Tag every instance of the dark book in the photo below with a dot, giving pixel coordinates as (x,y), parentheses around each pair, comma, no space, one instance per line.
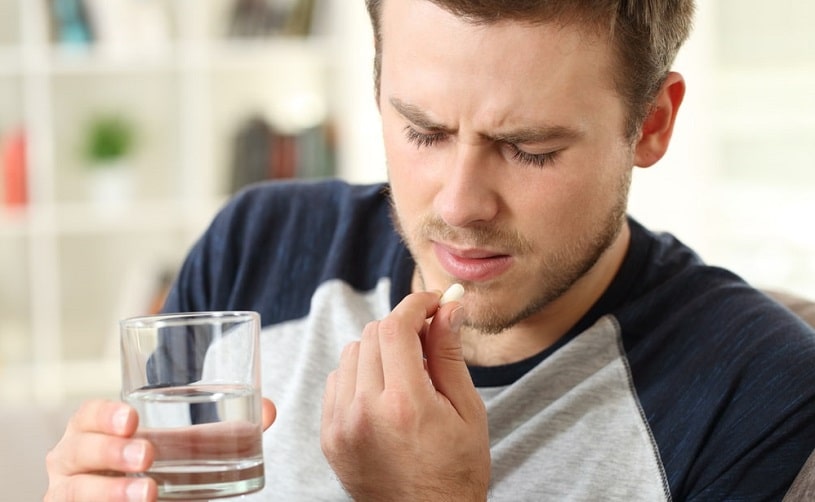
(317,152)
(300,19)
(263,18)
(251,153)
(260,153)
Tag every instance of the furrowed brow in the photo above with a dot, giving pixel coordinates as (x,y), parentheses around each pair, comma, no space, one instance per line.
(417,116)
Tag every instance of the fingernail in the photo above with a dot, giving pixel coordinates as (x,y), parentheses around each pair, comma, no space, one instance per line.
(457,318)
(134,453)
(120,419)
(137,490)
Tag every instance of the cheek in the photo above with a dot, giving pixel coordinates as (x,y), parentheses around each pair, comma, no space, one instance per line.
(567,201)
(402,168)
(401,157)
(410,173)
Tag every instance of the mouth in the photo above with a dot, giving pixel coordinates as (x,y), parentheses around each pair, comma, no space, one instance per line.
(471,265)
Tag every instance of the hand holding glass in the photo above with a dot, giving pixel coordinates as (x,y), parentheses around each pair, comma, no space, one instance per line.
(194,379)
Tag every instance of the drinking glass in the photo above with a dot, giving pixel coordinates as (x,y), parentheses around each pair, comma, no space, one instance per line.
(194,379)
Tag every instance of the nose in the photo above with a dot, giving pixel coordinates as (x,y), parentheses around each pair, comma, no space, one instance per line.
(468,194)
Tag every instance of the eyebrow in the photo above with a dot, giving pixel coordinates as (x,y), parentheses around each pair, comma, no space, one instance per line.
(537,134)
(523,135)
(417,116)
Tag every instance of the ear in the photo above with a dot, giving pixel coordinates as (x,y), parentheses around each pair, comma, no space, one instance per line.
(659,124)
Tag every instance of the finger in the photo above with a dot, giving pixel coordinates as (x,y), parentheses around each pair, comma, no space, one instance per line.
(339,393)
(445,360)
(370,379)
(268,412)
(346,376)
(415,308)
(112,489)
(329,397)
(400,341)
(94,452)
(107,417)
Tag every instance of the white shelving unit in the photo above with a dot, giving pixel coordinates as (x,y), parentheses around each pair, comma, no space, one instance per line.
(71,267)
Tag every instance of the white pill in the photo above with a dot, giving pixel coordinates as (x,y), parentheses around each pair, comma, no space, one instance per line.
(453,293)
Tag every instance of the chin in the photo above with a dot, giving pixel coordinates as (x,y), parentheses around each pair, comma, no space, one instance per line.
(492,310)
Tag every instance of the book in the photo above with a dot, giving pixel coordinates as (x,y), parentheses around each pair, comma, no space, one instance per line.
(251,155)
(299,19)
(69,22)
(13,158)
(261,152)
(264,18)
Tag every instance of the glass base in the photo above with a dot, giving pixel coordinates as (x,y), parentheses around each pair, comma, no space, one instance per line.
(207,484)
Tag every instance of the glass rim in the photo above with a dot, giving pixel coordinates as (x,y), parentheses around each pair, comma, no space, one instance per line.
(183,318)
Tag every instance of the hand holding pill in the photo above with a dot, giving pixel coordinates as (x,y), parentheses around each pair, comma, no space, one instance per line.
(405,387)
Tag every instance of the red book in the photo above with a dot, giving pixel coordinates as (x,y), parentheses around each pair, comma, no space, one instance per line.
(13,152)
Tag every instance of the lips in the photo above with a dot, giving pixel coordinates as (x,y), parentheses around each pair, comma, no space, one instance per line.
(473,265)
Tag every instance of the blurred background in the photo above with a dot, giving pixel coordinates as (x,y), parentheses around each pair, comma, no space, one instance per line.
(125,124)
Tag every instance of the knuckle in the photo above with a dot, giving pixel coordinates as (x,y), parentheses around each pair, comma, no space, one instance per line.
(400,411)
(52,460)
(356,424)
(370,332)
(90,414)
(330,382)
(350,348)
(389,327)
(347,434)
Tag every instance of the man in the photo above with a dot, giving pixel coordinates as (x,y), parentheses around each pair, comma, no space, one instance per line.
(588,359)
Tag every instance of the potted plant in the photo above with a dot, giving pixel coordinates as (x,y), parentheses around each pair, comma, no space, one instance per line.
(107,148)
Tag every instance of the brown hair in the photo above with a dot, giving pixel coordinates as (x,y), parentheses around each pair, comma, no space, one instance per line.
(646,36)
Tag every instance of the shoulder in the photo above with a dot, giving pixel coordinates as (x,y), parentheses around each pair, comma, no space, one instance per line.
(701,313)
(307,213)
(297,199)
(672,288)
(725,374)
(274,243)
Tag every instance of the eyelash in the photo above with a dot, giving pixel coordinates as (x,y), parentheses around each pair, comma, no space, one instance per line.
(531,159)
(422,140)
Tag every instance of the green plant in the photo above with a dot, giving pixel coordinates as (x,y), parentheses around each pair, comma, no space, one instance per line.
(110,137)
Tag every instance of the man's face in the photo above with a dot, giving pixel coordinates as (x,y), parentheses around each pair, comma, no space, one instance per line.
(506,155)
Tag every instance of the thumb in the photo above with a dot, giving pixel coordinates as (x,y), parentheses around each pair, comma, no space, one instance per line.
(445,358)
(269,413)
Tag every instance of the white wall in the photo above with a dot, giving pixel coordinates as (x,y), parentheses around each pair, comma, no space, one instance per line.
(738,183)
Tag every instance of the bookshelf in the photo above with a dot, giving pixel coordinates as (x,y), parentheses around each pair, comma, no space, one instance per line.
(72,264)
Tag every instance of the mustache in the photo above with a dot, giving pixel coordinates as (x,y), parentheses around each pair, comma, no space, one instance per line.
(432,227)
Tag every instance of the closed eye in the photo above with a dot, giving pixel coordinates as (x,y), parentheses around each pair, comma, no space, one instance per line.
(423,139)
(533,159)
